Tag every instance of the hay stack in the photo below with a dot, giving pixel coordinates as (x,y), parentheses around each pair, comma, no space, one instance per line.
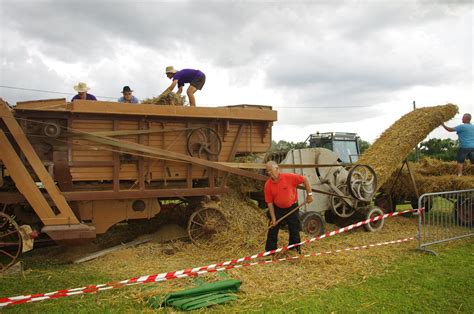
(434,167)
(431,176)
(394,145)
(168,99)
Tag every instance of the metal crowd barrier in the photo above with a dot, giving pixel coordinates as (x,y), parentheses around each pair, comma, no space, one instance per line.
(446,216)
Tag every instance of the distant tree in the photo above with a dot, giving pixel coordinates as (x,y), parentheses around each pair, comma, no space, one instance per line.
(443,149)
(284,145)
(363,145)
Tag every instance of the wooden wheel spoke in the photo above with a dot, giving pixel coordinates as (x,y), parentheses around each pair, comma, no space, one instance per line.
(210,222)
(8,254)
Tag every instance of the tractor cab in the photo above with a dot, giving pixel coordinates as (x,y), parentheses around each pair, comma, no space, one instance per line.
(345,145)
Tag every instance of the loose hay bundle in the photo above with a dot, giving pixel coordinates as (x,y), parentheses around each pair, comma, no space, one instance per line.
(394,145)
(431,175)
(168,99)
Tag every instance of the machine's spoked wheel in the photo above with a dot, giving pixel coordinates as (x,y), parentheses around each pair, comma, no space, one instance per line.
(362,182)
(464,212)
(339,207)
(204,223)
(204,143)
(312,224)
(376,225)
(10,241)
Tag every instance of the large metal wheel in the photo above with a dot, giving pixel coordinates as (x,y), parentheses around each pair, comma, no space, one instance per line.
(376,225)
(362,182)
(10,241)
(312,224)
(339,207)
(204,143)
(205,223)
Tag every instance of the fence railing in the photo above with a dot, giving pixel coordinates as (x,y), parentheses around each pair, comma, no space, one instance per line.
(446,216)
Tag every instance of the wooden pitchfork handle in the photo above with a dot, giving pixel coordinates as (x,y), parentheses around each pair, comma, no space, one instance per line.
(288,214)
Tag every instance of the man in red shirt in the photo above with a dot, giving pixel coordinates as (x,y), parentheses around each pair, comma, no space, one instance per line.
(281,198)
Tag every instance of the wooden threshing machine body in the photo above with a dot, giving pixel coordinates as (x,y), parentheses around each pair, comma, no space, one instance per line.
(73,170)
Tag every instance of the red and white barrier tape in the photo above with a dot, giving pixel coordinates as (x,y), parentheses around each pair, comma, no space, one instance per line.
(190,272)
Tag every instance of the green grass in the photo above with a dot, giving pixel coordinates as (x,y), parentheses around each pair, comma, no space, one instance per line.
(417,282)
(426,283)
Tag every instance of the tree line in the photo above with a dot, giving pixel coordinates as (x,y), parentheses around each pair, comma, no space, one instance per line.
(442,149)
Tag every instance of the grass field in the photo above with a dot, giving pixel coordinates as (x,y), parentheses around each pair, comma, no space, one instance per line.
(413,282)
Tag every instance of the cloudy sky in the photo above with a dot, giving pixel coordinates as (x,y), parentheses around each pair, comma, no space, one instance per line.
(333,65)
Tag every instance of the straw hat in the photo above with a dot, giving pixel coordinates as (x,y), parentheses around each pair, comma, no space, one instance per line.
(170,69)
(81,87)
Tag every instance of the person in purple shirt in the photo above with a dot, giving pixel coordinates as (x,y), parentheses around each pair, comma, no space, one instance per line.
(195,78)
(81,89)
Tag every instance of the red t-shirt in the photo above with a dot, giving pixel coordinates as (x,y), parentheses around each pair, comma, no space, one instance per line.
(282,193)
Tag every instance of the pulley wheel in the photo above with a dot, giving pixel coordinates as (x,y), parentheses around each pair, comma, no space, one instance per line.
(362,182)
(339,207)
(10,241)
(204,223)
(204,143)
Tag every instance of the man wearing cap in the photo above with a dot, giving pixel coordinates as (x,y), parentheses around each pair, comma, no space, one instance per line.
(127,96)
(81,89)
(195,78)
(281,198)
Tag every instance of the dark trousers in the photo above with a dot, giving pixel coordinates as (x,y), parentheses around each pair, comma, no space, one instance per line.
(293,223)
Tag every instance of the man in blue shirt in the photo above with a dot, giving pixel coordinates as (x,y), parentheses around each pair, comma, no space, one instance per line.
(127,96)
(465,133)
(81,89)
(195,78)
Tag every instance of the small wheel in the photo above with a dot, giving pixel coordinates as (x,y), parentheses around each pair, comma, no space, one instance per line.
(204,223)
(10,241)
(362,182)
(312,224)
(204,143)
(339,207)
(464,212)
(376,225)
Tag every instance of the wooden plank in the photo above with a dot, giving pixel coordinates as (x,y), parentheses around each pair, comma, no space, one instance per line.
(158,152)
(257,113)
(249,165)
(95,255)
(23,180)
(36,164)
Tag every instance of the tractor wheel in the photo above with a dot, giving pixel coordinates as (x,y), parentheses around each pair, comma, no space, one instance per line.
(376,225)
(10,241)
(204,224)
(312,224)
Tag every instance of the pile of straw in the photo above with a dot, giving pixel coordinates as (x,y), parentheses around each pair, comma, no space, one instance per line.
(394,145)
(246,236)
(430,176)
(168,99)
